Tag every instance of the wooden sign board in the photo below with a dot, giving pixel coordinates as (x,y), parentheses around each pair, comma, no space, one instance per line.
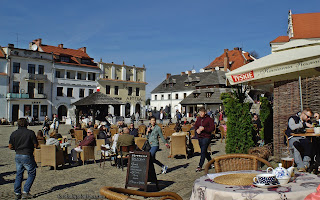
(137,171)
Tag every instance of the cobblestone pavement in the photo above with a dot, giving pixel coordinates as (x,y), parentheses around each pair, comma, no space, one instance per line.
(84,182)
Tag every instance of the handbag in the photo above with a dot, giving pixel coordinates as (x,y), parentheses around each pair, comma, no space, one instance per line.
(146,146)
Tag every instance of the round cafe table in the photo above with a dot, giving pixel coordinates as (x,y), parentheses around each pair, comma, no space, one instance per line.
(205,188)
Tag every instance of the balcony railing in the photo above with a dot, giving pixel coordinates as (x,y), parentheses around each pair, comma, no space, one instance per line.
(17,96)
(36,77)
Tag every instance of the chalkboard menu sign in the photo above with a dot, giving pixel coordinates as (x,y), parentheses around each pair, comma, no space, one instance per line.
(138,168)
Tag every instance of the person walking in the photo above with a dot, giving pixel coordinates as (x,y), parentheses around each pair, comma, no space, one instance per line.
(137,116)
(23,141)
(46,126)
(204,126)
(55,122)
(161,116)
(153,132)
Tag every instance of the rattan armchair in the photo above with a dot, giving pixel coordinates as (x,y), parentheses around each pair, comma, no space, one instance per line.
(139,141)
(178,145)
(236,162)
(78,135)
(50,156)
(223,134)
(114,193)
(87,153)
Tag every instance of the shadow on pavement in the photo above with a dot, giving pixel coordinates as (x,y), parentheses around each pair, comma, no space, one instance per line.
(61,187)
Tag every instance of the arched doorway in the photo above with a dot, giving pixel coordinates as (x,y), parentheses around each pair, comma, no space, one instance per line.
(138,109)
(127,110)
(62,111)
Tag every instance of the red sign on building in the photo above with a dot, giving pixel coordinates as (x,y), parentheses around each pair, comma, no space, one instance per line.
(242,77)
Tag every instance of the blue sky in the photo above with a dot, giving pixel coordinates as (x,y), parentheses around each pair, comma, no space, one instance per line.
(167,36)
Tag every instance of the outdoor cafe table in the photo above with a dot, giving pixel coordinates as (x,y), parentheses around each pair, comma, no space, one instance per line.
(302,185)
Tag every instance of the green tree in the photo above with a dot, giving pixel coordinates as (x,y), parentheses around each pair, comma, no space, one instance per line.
(240,127)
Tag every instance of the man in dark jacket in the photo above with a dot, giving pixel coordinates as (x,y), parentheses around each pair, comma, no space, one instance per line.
(204,126)
(297,124)
(133,131)
(23,141)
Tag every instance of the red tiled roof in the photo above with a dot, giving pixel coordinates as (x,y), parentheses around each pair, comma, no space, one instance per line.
(64,51)
(75,54)
(280,39)
(2,55)
(236,58)
(306,25)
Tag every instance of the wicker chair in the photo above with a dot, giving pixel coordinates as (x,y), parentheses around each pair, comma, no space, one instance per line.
(37,155)
(50,156)
(236,162)
(139,141)
(178,146)
(142,129)
(223,134)
(196,146)
(78,135)
(96,132)
(124,153)
(113,193)
(167,132)
(185,128)
(99,142)
(87,153)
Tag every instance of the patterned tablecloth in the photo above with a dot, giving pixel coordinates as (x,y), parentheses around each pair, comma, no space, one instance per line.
(302,184)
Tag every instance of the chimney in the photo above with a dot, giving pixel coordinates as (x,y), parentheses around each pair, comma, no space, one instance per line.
(60,46)
(226,50)
(84,49)
(168,75)
(189,73)
(226,62)
(183,73)
(213,69)
(236,48)
(37,41)
(10,45)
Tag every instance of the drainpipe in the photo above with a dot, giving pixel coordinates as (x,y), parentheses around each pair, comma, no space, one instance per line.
(300,90)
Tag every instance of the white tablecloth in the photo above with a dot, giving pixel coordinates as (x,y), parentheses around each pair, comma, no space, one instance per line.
(206,189)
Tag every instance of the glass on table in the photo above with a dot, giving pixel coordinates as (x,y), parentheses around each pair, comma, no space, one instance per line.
(286,157)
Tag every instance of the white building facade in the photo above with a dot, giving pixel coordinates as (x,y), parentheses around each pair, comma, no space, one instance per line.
(74,77)
(28,84)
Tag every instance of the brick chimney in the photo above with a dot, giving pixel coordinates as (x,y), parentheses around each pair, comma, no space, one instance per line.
(189,73)
(236,48)
(37,41)
(60,46)
(168,75)
(226,62)
(84,49)
(226,50)
(183,73)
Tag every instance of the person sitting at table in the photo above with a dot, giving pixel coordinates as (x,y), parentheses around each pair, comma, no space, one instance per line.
(40,138)
(317,118)
(257,124)
(53,141)
(103,134)
(185,121)
(296,124)
(133,131)
(89,140)
(90,125)
(115,140)
(125,139)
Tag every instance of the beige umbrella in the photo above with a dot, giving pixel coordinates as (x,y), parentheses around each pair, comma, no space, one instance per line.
(293,60)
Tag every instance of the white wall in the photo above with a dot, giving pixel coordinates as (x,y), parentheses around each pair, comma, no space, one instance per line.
(175,103)
(3,92)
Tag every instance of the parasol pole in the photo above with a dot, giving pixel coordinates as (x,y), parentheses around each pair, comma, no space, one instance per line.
(300,90)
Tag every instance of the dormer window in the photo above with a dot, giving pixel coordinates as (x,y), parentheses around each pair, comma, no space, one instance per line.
(85,61)
(208,94)
(196,95)
(186,84)
(64,59)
